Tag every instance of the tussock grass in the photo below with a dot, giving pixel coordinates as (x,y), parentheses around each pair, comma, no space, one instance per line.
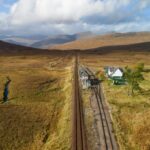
(38,114)
(131,117)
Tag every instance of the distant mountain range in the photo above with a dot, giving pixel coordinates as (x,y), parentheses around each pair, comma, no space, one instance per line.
(111,39)
(41,41)
(84,40)
(96,44)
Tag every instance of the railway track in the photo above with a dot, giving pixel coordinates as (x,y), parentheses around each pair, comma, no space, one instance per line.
(79,134)
(104,125)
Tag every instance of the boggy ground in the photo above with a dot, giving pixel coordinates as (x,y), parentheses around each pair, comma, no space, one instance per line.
(131,115)
(38,113)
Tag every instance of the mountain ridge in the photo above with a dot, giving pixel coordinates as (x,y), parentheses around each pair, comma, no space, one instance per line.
(105,40)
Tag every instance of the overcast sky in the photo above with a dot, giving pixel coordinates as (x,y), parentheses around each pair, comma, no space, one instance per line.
(71,16)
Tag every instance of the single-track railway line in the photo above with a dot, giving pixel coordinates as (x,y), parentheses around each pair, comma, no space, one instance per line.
(79,134)
(107,139)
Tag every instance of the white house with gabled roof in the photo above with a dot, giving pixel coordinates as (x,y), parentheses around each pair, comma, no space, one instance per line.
(114,72)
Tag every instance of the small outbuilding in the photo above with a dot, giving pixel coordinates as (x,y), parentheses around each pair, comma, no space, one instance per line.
(84,78)
(87,81)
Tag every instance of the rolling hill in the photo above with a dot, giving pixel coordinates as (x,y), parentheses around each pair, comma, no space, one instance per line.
(43,41)
(60,39)
(13,49)
(8,48)
(21,40)
(105,40)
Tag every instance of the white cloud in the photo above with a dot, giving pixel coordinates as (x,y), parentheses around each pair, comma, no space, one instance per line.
(68,16)
(3,19)
(61,11)
(121,27)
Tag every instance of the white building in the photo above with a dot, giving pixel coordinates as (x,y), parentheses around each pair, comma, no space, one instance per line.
(84,78)
(114,72)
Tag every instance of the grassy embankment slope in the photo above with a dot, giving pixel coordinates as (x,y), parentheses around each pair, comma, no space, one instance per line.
(131,115)
(38,114)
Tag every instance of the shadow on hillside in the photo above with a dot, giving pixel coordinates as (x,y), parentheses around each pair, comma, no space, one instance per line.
(11,49)
(143,47)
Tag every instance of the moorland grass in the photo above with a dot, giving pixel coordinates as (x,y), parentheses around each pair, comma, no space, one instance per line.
(38,113)
(131,115)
